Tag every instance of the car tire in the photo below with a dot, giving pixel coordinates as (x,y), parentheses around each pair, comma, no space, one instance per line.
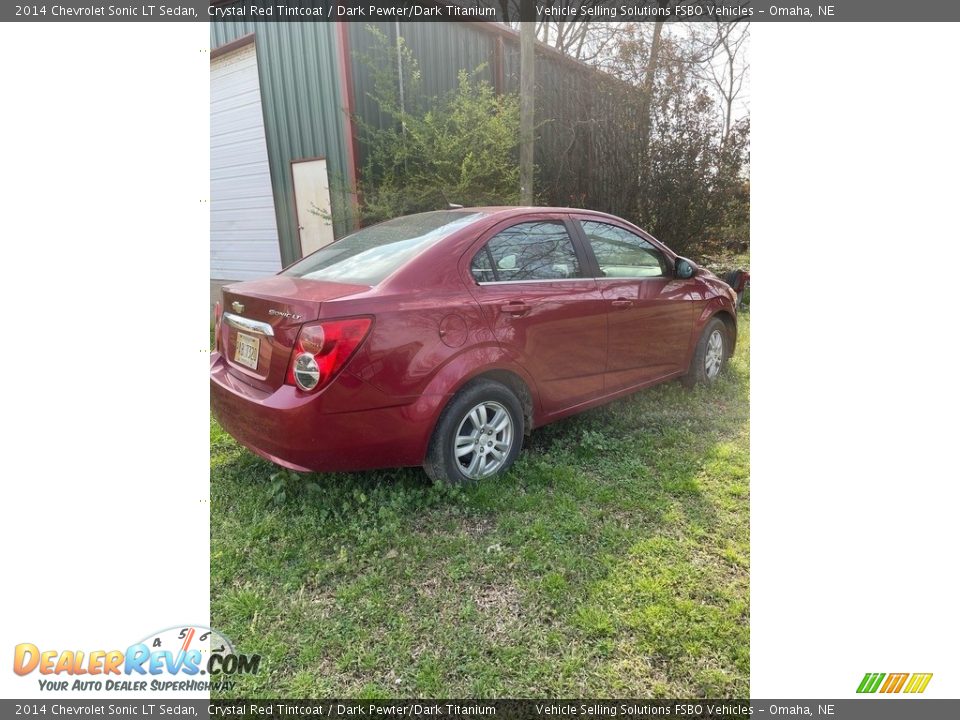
(478,435)
(706,366)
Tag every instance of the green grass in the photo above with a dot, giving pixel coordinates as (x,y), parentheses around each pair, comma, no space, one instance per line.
(611,561)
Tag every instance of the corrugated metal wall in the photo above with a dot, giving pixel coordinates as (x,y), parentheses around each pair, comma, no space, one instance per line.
(587,140)
(586,126)
(440,49)
(303,113)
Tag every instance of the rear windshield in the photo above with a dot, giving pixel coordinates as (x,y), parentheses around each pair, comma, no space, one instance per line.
(371,254)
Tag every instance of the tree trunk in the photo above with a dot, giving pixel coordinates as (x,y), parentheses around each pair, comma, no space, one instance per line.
(646,122)
(527,91)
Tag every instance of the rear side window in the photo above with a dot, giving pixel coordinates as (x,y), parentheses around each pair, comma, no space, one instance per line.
(368,256)
(622,254)
(540,250)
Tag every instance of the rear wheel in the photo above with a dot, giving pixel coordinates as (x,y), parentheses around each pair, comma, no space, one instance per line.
(710,355)
(478,435)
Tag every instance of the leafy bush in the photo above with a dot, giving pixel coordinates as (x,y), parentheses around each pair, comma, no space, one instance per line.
(460,148)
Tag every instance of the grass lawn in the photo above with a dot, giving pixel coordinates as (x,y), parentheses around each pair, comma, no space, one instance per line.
(612,561)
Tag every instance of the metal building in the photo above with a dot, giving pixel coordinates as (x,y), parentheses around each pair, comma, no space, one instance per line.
(284,149)
(279,127)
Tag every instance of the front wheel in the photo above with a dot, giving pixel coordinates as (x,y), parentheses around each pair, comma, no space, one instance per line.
(478,435)
(710,355)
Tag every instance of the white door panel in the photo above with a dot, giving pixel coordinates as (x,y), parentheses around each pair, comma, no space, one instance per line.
(311,186)
(243,225)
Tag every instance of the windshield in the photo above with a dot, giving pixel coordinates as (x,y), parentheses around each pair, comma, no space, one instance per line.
(368,256)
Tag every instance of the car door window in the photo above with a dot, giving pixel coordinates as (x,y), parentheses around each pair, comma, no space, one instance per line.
(623,254)
(540,250)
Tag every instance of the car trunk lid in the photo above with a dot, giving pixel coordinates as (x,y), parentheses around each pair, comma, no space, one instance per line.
(261,320)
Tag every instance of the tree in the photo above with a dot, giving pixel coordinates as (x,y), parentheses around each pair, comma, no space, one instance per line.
(527,93)
(692,152)
(582,38)
(725,67)
(460,148)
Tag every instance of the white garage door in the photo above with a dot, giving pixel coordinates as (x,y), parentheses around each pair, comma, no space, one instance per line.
(243,226)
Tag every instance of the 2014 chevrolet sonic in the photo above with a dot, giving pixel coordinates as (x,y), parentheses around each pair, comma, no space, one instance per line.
(441,339)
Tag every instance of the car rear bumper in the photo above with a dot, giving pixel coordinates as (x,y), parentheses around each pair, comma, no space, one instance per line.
(349,425)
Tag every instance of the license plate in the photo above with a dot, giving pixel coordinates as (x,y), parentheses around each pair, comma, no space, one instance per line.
(248,351)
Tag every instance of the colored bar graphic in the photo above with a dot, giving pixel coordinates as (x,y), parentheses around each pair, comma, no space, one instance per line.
(915,683)
(918,682)
(902,681)
(870,682)
(894,682)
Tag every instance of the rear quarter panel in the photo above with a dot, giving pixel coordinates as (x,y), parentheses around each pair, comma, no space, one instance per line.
(422,343)
(422,348)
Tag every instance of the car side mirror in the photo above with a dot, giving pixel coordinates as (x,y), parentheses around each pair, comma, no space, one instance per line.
(685,269)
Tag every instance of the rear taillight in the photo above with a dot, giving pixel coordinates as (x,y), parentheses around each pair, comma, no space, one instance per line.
(322,349)
(217,317)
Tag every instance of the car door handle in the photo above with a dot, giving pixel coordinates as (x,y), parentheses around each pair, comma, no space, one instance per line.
(622,303)
(515,308)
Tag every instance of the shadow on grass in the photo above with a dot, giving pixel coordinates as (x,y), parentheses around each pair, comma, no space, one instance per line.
(597,458)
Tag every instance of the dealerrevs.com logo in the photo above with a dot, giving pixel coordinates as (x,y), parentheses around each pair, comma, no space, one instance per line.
(184,658)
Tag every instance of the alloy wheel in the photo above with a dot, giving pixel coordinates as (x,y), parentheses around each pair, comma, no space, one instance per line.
(713,360)
(483,440)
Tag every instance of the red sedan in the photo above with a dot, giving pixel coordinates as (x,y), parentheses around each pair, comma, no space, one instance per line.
(441,339)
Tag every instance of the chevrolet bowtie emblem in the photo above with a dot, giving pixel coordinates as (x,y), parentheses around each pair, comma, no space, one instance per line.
(237,307)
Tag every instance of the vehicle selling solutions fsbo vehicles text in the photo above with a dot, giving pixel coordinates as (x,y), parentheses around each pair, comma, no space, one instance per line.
(612,12)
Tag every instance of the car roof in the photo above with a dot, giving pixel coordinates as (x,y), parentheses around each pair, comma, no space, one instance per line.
(523,209)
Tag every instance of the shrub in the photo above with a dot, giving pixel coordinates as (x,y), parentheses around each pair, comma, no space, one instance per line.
(460,148)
